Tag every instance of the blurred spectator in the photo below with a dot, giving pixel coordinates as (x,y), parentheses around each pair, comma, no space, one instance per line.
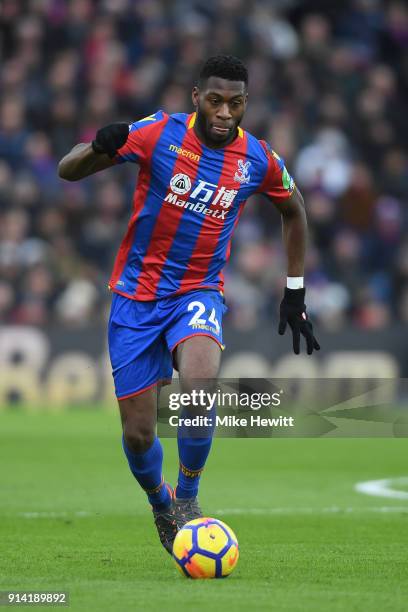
(328,90)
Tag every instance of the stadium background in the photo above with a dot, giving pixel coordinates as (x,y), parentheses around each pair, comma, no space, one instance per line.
(328,90)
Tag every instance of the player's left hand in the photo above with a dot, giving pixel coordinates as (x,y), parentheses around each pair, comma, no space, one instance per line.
(293,312)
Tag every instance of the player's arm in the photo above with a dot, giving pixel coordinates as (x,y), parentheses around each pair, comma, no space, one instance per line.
(293,308)
(88,158)
(294,232)
(280,187)
(82,161)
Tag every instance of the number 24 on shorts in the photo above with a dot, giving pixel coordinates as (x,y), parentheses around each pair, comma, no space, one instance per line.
(198,320)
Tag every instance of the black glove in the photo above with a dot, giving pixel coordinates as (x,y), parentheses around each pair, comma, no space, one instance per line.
(110,138)
(293,311)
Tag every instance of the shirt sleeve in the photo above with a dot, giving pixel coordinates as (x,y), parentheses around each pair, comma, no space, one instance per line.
(136,148)
(278,183)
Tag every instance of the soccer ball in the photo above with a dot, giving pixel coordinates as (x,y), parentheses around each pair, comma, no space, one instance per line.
(205,548)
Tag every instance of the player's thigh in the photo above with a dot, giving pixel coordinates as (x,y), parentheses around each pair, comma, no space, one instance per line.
(198,357)
(195,334)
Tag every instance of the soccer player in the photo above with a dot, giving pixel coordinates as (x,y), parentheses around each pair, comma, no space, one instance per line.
(196,172)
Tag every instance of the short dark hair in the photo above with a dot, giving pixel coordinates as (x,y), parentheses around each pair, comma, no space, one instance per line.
(225,67)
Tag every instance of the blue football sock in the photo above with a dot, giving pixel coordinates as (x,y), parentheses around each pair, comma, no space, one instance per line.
(193,453)
(147,469)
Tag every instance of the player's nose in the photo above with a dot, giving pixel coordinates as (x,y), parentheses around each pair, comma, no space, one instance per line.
(223,112)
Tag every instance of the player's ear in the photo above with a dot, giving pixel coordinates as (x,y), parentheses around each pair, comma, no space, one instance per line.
(246,98)
(195,94)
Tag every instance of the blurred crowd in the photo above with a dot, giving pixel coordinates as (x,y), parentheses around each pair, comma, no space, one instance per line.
(328,89)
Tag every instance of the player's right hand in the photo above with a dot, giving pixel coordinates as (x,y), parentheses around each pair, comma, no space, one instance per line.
(110,138)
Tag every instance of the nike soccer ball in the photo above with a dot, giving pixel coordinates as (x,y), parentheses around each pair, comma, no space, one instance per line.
(206,548)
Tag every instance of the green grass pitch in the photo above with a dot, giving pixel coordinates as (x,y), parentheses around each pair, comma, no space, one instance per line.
(72,518)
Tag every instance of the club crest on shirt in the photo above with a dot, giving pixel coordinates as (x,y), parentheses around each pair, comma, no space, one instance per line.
(180,183)
(241,175)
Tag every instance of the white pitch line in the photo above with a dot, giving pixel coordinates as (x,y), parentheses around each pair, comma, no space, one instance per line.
(35,515)
(294,511)
(383,488)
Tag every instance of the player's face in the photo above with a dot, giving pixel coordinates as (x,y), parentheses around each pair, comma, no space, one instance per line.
(220,106)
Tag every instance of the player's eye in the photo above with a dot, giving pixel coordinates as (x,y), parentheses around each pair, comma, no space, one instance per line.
(236,103)
(214,101)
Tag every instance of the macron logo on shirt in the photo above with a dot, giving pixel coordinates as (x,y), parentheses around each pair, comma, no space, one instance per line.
(184,152)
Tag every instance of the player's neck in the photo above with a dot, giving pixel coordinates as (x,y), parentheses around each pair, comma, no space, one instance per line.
(210,143)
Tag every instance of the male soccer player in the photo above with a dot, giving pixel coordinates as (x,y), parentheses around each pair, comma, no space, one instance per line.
(196,172)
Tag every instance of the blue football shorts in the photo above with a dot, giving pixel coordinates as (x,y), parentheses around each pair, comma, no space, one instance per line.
(143,335)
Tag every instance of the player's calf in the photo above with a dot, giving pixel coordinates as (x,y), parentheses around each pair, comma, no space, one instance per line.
(144,453)
(198,360)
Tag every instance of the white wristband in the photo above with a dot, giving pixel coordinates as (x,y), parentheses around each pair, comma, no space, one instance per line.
(294,282)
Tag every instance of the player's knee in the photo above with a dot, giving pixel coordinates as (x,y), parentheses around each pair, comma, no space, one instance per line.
(138,439)
(138,415)
(206,382)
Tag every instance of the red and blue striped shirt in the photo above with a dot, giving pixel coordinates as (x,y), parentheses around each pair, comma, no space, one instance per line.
(187,202)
